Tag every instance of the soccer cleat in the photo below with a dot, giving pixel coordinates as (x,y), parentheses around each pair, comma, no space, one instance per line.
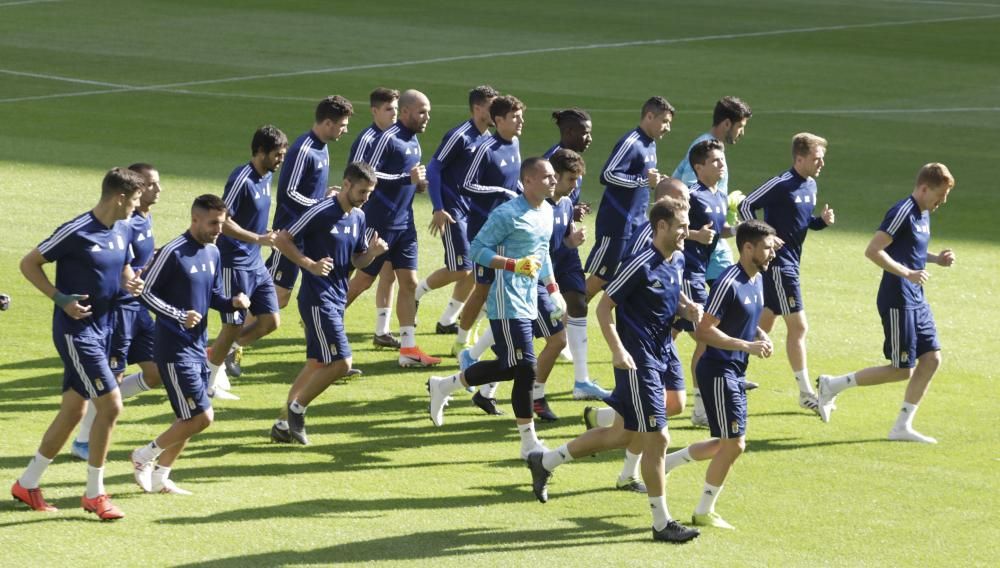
(414,357)
(465,359)
(297,427)
(385,341)
(233,360)
(487,405)
(439,399)
(711,519)
(80,450)
(750,385)
(909,435)
(566,354)
(590,417)
(633,484)
(222,380)
(539,477)
(826,398)
(219,393)
(280,435)
(699,419)
(809,401)
(102,507)
(450,329)
(542,410)
(31,497)
(675,532)
(539,446)
(354,372)
(168,486)
(589,390)
(143,472)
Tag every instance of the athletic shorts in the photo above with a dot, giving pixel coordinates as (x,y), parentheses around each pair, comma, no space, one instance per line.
(673,377)
(186,383)
(639,398)
(725,396)
(485,275)
(133,337)
(908,335)
(283,272)
(456,244)
(569,272)
(545,325)
(782,292)
(326,338)
(697,290)
(513,341)
(85,363)
(605,257)
(256,283)
(402,253)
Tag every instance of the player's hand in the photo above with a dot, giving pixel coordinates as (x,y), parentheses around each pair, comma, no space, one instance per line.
(693,313)
(621,359)
(332,190)
(321,267)
(135,285)
(580,210)
(577,235)
(760,349)
(241,302)
(377,245)
(559,304)
(918,276)
(778,243)
(653,177)
(422,186)
(704,235)
(267,239)
(74,308)
(439,222)
(946,257)
(827,215)
(527,266)
(191,319)
(418,175)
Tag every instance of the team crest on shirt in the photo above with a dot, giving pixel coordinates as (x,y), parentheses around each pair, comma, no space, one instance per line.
(734,426)
(333,349)
(99,384)
(191,403)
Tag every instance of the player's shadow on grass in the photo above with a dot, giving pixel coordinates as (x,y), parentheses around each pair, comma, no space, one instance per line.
(784,444)
(34,364)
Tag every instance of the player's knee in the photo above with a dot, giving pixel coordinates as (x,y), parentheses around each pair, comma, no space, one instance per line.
(930,360)
(557,341)
(203,420)
(797,325)
(576,304)
(152,378)
(675,403)
(269,322)
(733,447)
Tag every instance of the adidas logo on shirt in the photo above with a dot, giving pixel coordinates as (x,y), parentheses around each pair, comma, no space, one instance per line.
(656,284)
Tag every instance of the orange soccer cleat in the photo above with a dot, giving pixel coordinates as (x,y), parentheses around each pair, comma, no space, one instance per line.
(102,507)
(414,357)
(31,497)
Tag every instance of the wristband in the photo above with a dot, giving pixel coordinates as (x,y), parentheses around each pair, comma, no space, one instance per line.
(510,265)
(552,287)
(61,299)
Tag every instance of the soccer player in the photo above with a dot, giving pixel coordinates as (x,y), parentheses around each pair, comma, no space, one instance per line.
(396,159)
(184,281)
(788,201)
(385,110)
(899,248)
(333,234)
(645,294)
(303,182)
(91,256)
(132,331)
(521,228)
(729,327)
(445,175)
(247,195)
(627,176)
(729,121)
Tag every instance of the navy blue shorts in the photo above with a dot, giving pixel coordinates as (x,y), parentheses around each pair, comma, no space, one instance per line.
(605,257)
(697,291)
(186,383)
(256,284)
(513,341)
(326,338)
(456,244)
(782,292)
(908,335)
(485,275)
(639,399)
(402,253)
(545,325)
(283,272)
(569,272)
(725,397)
(673,377)
(133,337)
(85,363)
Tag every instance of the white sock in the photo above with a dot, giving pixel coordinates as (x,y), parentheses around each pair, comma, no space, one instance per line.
(699,405)
(630,468)
(83,435)
(451,312)
(381,321)
(708,496)
(452,384)
(422,289)
(407,336)
(281,424)
(33,473)
(489,390)
(676,459)
(160,473)
(802,377)
(463,335)
(95,481)
(605,417)
(576,336)
(842,383)
(149,452)
(905,419)
(132,385)
(555,458)
(661,516)
(538,391)
(484,342)
(213,375)
(296,407)
(528,437)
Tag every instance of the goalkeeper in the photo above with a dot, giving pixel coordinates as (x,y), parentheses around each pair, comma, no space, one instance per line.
(515,242)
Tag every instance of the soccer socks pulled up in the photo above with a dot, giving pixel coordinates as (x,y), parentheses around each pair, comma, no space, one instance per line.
(407,336)
(661,515)
(489,390)
(708,497)
(33,473)
(538,391)
(451,312)
(463,335)
(95,481)
(576,336)
(484,342)
(83,435)
(528,437)
(149,452)
(905,419)
(382,321)
(802,378)
(843,382)
(132,385)
(555,458)
(676,459)
(605,417)
(454,383)
(630,469)
(422,288)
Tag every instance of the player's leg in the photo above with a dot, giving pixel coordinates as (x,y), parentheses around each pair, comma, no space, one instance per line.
(383,299)
(552,330)
(473,308)
(262,319)
(725,402)
(404,259)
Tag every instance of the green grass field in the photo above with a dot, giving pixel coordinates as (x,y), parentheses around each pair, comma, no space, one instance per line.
(87,85)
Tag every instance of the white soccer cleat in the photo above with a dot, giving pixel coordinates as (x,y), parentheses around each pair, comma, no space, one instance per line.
(699,419)
(827,399)
(909,435)
(219,393)
(538,447)
(168,486)
(143,472)
(439,399)
(809,401)
(222,379)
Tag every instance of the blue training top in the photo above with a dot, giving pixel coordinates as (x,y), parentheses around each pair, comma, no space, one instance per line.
(788,201)
(248,197)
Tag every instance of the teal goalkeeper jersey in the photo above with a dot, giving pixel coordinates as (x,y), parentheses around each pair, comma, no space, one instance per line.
(515,230)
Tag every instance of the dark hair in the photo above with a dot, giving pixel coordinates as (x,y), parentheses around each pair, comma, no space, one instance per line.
(267,139)
(666,209)
(529,165)
(359,171)
(481,94)
(122,180)
(333,108)
(752,231)
(731,108)
(382,95)
(565,160)
(570,118)
(142,167)
(657,106)
(699,152)
(504,105)
(209,202)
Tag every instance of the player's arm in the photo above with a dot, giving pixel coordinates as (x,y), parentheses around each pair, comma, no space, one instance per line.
(367,249)
(233,229)
(944,258)
(285,243)
(876,253)
(605,316)
(575,235)
(617,170)
(31,268)
(384,146)
(708,332)
(825,219)
(757,199)
(302,162)
(165,263)
(689,309)
(728,231)
(474,174)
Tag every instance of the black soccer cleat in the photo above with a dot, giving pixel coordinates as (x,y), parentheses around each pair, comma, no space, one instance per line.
(233,360)
(297,427)
(488,405)
(750,385)
(450,329)
(675,532)
(539,476)
(280,436)
(385,341)
(542,410)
